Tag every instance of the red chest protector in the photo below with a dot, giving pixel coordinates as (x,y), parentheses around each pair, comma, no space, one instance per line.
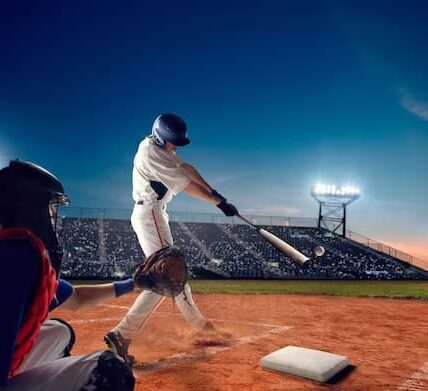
(37,310)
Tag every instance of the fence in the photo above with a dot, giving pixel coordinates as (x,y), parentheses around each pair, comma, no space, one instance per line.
(383,248)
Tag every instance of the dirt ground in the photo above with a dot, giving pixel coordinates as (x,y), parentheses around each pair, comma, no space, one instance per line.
(385,340)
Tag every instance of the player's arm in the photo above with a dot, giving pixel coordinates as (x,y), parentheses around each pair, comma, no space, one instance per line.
(178,176)
(196,190)
(197,178)
(82,296)
(194,175)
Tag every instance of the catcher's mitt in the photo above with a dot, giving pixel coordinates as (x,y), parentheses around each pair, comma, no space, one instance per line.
(164,272)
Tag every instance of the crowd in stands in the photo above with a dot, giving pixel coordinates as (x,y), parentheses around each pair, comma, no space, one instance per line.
(104,248)
(99,248)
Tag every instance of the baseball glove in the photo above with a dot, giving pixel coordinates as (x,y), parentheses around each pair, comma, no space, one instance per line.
(163,272)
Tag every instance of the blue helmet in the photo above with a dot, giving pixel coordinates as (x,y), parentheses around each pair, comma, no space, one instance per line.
(170,128)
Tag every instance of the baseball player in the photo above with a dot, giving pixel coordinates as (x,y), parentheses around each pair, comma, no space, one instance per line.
(159,174)
(34,352)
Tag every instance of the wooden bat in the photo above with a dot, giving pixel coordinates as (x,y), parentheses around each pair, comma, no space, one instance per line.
(280,244)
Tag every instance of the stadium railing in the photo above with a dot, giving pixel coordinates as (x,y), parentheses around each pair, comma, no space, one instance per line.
(385,249)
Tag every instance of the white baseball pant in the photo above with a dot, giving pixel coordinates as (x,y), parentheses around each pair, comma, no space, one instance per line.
(151,224)
(44,369)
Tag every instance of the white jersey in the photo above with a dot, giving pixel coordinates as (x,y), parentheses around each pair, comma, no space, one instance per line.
(151,224)
(154,164)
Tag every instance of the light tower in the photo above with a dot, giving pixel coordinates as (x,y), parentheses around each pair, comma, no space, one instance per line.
(332,202)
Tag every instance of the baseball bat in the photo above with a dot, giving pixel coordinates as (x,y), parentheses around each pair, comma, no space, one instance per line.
(280,244)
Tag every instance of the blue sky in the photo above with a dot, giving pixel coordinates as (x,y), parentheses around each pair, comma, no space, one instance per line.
(277,95)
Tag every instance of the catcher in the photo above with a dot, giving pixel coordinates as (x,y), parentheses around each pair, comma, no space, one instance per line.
(159,174)
(34,350)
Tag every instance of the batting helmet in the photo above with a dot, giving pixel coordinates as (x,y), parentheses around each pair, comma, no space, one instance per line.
(170,128)
(29,195)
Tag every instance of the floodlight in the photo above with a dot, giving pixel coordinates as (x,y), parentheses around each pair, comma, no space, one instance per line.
(333,201)
(335,191)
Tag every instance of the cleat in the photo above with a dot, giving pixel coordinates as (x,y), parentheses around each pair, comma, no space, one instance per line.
(119,345)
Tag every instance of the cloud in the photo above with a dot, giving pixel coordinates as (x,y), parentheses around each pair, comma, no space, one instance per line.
(275,210)
(3,160)
(412,248)
(229,178)
(414,106)
(5,155)
(8,146)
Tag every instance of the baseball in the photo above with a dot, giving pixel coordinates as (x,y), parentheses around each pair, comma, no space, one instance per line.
(319,251)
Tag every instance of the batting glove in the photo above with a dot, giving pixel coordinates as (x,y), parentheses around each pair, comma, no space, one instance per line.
(228,209)
(215,193)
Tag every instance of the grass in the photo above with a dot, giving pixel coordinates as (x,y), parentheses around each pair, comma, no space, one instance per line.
(385,289)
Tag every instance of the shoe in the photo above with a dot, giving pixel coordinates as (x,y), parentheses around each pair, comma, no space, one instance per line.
(119,345)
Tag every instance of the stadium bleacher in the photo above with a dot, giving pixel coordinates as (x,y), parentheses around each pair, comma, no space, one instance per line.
(108,249)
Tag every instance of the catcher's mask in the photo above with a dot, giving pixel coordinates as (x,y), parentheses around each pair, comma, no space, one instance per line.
(30,197)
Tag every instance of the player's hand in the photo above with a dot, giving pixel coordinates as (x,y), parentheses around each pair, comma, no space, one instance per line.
(216,194)
(228,209)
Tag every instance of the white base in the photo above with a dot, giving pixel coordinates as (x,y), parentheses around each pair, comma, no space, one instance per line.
(308,363)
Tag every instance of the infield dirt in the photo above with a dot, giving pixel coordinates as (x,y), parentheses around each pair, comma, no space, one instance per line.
(385,339)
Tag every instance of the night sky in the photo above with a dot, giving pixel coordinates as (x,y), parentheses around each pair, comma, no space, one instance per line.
(277,95)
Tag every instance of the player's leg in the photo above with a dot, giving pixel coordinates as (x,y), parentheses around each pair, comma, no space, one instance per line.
(151,226)
(97,371)
(135,318)
(55,341)
(153,233)
(184,301)
(189,309)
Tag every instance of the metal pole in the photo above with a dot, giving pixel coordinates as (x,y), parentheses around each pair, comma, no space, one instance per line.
(344,221)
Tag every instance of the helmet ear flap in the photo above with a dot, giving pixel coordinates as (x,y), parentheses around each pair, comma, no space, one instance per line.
(158,141)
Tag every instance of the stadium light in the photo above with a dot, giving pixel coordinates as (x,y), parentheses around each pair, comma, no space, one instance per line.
(333,201)
(347,191)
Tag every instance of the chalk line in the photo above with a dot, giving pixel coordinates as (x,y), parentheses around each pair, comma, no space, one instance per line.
(190,357)
(417,381)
